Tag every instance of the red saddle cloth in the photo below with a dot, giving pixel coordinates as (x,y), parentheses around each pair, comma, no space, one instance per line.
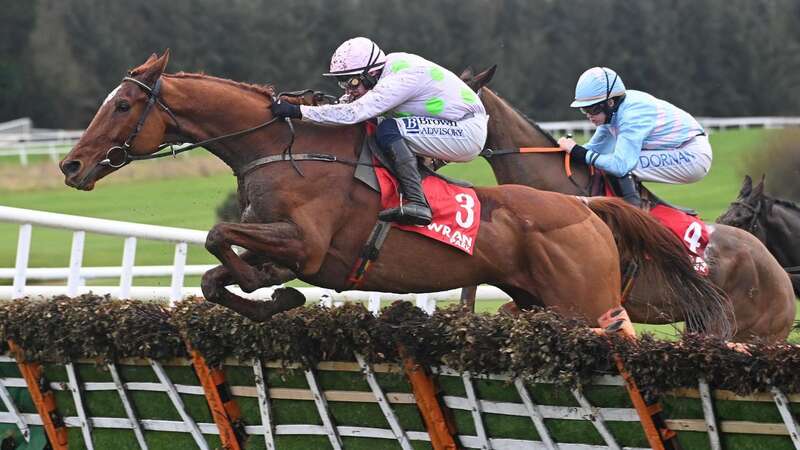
(691,230)
(456,210)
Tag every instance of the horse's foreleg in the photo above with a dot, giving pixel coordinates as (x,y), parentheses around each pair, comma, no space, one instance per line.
(262,265)
(275,243)
(213,286)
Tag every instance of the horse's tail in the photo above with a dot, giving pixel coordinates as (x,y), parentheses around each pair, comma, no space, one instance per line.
(643,239)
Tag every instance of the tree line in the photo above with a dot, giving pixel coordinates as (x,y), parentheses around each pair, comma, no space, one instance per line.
(59,58)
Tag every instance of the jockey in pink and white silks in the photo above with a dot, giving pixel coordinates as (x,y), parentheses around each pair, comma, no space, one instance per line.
(426,110)
(637,134)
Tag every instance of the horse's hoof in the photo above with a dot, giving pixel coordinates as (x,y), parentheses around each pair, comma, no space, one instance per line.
(287,298)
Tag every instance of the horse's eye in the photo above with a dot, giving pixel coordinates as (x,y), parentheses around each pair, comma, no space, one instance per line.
(123,105)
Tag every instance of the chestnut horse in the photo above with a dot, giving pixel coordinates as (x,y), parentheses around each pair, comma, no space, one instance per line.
(308,219)
(759,289)
(774,221)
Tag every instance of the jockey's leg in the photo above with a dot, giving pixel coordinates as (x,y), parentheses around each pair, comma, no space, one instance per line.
(415,210)
(626,188)
(688,163)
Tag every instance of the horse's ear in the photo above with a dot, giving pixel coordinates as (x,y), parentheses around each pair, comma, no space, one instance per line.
(747,187)
(158,66)
(152,68)
(758,191)
(467,74)
(482,79)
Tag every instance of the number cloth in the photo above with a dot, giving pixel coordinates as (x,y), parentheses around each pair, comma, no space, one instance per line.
(456,210)
(692,231)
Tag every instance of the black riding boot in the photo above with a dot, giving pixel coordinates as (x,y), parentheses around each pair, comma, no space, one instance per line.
(415,211)
(626,188)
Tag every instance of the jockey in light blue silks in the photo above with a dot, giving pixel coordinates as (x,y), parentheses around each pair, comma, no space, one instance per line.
(637,135)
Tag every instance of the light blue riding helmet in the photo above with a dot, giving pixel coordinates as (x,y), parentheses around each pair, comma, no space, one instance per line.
(595,85)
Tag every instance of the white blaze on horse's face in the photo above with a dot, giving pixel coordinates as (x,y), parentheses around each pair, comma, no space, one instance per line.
(111,94)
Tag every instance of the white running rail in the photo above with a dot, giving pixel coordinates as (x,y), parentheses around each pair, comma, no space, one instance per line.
(75,274)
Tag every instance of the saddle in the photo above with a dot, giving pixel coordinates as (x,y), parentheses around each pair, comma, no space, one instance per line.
(601,187)
(370,152)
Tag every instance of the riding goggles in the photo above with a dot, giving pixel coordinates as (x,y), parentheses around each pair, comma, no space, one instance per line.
(595,109)
(348,82)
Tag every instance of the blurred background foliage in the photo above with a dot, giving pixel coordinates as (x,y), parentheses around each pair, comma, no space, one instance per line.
(59,58)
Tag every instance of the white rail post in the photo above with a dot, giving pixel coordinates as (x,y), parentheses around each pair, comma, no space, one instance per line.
(426,303)
(264,404)
(324,412)
(326,299)
(23,155)
(75,262)
(786,414)
(51,149)
(708,414)
(178,269)
(77,398)
(21,265)
(177,402)
(11,407)
(374,303)
(535,414)
(383,403)
(475,407)
(127,406)
(126,278)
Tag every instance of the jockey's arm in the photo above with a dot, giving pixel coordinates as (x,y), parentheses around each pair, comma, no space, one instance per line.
(633,130)
(391,91)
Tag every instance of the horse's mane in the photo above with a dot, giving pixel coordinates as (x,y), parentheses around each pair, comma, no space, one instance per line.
(528,119)
(265,90)
(787,203)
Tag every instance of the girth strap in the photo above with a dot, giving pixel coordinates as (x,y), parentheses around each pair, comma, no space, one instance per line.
(369,253)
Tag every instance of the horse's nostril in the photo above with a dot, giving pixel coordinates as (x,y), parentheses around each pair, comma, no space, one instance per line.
(70,167)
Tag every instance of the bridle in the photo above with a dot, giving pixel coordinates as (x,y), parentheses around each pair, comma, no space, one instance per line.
(752,226)
(153,95)
(124,149)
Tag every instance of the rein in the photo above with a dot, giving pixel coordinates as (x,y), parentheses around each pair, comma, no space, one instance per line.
(125,157)
(489,153)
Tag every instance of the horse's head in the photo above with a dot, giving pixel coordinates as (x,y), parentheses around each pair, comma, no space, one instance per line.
(748,207)
(128,123)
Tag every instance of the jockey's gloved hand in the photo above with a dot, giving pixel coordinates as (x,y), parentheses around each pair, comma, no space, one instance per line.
(285,109)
